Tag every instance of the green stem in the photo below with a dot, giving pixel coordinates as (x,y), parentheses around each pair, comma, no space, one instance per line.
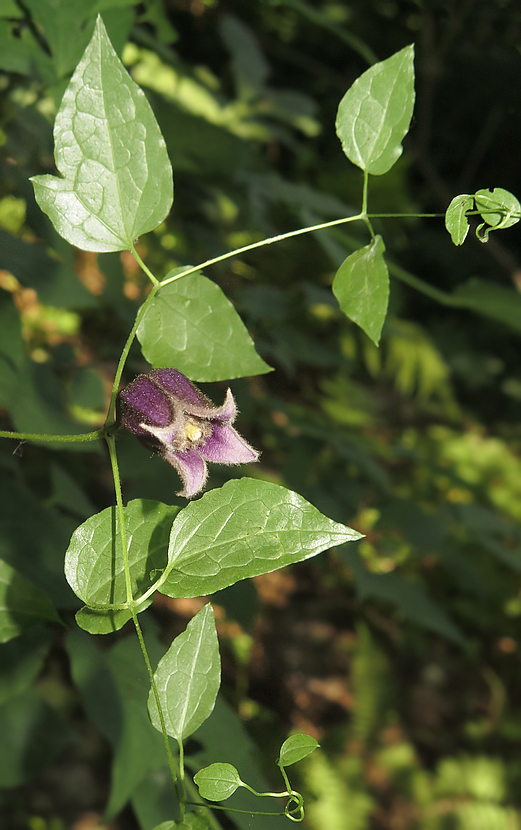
(70,439)
(126,350)
(144,267)
(269,241)
(299,232)
(111,441)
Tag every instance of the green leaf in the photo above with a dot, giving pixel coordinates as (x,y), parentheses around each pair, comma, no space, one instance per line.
(117,178)
(499,302)
(94,562)
(361,286)
(375,113)
(489,201)
(295,748)
(193,326)
(106,622)
(65,25)
(188,677)
(217,782)
(244,529)
(22,605)
(456,220)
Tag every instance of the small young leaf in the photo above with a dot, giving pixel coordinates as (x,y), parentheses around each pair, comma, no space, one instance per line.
(188,678)
(456,220)
(193,326)
(94,562)
(361,286)
(375,113)
(217,782)
(22,604)
(116,176)
(488,201)
(295,748)
(244,529)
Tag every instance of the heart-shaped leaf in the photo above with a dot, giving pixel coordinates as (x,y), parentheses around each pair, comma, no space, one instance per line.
(193,326)
(116,178)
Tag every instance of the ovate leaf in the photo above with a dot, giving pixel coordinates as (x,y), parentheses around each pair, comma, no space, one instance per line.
(295,748)
(217,782)
(193,326)
(94,561)
(456,220)
(241,530)
(361,286)
(22,604)
(116,176)
(188,678)
(375,113)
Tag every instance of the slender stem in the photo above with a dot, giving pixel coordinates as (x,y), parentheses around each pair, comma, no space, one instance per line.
(269,241)
(111,441)
(70,439)
(126,350)
(310,229)
(144,267)
(364,193)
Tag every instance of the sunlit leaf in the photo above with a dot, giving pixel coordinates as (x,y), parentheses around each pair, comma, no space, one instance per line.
(193,326)
(498,209)
(116,176)
(188,677)
(94,564)
(375,113)
(361,286)
(241,530)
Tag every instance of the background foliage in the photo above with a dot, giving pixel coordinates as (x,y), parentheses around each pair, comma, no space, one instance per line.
(401,658)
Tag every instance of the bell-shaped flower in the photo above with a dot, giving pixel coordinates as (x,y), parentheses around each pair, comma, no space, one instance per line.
(173,418)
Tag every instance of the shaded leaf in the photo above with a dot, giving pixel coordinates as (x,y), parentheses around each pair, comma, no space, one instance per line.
(32,735)
(193,326)
(244,529)
(22,604)
(188,678)
(410,599)
(375,113)
(117,178)
(21,660)
(361,286)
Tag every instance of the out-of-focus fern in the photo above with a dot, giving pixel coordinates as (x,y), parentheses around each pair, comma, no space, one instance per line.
(341,801)
(370,684)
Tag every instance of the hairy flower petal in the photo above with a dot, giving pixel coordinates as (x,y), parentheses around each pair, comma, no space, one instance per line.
(175,419)
(225,446)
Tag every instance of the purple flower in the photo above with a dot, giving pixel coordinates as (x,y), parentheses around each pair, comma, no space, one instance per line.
(173,418)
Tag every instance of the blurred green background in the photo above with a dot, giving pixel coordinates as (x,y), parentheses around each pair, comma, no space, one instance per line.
(401,655)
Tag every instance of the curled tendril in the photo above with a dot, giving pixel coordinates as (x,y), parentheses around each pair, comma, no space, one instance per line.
(294,809)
